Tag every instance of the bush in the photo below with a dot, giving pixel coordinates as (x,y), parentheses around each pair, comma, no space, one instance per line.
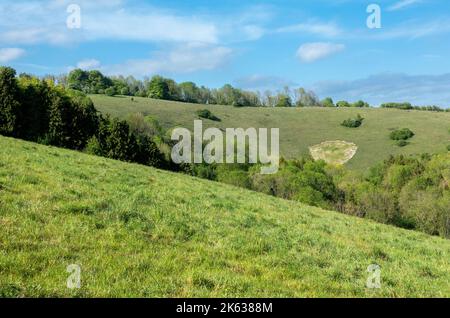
(110,91)
(206,114)
(402,134)
(327,102)
(142,125)
(409,192)
(125,91)
(448,147)
(302,180)
(403,106)
(402,143)
(353,123)
(93,147)
(360,104)
(115,139)
(343,104)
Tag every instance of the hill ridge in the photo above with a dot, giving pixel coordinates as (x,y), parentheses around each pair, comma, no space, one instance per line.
(302,128)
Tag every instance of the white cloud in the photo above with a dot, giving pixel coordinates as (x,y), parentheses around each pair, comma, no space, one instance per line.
(35,22)
(185,58)
(123,25)
(10,54)
(88,64)
(311,52)
(402,4)
(253,32)
(329,29)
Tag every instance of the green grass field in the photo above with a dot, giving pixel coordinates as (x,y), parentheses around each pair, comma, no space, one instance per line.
(137,231)
(301,128)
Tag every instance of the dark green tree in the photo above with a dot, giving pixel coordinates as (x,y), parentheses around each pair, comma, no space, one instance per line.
(158,88)
(328,102)
(33,117)
(283,100)
(343,103)
(9,103)
(72,120)
(110,91)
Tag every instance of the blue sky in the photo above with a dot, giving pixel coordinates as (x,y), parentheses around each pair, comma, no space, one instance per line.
(323,45)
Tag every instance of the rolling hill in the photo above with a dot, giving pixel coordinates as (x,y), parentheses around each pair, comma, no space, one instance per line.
(302,128)
(140,232)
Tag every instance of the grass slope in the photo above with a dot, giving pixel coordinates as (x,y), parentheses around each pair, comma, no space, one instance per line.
(138,231)
(301,128)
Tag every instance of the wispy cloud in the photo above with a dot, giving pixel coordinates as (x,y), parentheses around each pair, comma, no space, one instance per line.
(185,58)
(88,64)
(391,87)
(416,29)
(328,29)
(402,4)
(311,52)
(34,22)
(10,54)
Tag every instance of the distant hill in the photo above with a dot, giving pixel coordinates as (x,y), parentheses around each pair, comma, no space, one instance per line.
(140,232)
(302,128)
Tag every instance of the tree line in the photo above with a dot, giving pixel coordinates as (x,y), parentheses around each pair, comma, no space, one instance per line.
(158,87)
(407,192)
(38,110)
(409,106)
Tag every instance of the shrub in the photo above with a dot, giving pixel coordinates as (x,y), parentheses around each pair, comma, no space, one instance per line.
(203,170)
(115,139)
(302,180)
(283,100)
(125,91)
(402,134)
(147,152)
(206,114)
(353,122)
(93,147)
(328,102)
(110,91)
(402,143)
(409,192)
(403,106)
(360,104)
(448,147)
(343,104)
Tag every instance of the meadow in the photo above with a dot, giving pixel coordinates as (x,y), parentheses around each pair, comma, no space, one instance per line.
(302,128)
(136,231)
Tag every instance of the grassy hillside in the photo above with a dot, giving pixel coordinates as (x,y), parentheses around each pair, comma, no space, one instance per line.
(137,231)
(302,128)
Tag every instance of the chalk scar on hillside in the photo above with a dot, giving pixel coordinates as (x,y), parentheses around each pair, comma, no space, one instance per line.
(334,152)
